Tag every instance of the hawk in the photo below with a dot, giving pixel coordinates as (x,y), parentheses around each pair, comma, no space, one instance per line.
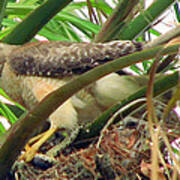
(32,71)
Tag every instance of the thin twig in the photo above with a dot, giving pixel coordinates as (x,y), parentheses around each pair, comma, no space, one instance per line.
(110,121)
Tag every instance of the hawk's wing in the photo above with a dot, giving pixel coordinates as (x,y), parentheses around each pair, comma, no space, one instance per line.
(62,59)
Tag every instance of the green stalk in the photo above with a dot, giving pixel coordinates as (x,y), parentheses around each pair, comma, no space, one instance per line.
(3,4)
(177,11)
(26,30)
(144,20)
(160,86)
(116,21)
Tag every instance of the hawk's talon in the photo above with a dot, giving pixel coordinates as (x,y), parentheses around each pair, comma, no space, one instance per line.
(30,151)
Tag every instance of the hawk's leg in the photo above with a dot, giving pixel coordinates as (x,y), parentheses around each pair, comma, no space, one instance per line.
(38,141)
(64,118)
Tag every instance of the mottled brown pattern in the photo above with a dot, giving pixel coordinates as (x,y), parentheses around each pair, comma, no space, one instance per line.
(59,59)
